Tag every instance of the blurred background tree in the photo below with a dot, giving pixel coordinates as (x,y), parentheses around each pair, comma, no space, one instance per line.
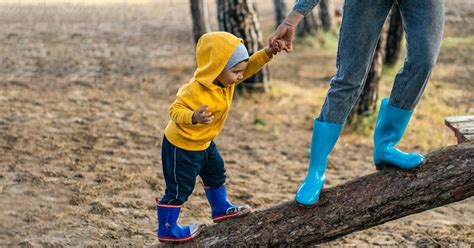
(239,17)
(200,15)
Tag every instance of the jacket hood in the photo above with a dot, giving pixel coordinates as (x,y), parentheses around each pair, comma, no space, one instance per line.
(213,50)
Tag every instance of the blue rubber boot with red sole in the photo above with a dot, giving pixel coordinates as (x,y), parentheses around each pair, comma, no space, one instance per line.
(221,207)
(168,229)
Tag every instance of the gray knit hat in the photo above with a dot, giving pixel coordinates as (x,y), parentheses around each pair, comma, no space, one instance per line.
(240,54)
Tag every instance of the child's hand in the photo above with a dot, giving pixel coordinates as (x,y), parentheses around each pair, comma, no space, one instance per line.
(275,47)
(279,46)
(200,116)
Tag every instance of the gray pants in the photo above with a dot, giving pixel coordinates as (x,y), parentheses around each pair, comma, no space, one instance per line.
(423,22)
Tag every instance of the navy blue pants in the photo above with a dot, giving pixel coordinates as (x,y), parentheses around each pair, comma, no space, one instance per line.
(181,167)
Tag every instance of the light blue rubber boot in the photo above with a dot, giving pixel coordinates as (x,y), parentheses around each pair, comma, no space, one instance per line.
(168,230)
(389,129)
(324,138)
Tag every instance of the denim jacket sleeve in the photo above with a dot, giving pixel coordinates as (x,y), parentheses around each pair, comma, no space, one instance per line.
(305,6)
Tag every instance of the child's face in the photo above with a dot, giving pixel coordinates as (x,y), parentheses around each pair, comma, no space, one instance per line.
(233,75)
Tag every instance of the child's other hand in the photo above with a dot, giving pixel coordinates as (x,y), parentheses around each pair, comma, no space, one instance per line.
(200,116)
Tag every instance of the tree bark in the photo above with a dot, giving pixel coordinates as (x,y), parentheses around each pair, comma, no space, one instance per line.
(310,25)
(367,101)
(447,176)
(281,11)
(239,17)
(200,15)
(394,37)
(327,14)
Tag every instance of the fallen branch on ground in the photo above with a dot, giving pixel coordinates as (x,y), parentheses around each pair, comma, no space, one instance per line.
(447,176)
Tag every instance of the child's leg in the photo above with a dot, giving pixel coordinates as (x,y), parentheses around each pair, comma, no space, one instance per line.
(213,176)
(180,168)
(213,172)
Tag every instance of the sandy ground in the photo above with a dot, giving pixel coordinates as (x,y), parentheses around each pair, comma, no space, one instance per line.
(84,93)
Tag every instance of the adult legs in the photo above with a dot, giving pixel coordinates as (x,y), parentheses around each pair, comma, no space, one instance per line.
(423,22)
(358,37)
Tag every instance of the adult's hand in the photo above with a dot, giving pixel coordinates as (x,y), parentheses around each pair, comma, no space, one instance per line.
(285,33)
(286,30)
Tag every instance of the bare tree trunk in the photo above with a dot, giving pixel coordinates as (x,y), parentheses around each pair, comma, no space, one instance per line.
(328,19)
(367,101)
(200,15)
(239,17)
(310,25)
(446,177)
(281,11)
(395,35)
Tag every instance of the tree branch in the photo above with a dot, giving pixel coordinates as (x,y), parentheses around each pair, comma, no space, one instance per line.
(447,176)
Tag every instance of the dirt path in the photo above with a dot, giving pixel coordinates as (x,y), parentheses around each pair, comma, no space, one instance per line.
(83,103)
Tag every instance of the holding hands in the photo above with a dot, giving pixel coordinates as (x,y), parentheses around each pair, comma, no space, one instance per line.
(285,33)
(275,46)
(283,37)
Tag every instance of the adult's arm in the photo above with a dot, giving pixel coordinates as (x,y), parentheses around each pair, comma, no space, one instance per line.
(286,30)
(305,6)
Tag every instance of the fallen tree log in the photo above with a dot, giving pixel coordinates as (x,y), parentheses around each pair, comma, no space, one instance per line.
(447,176)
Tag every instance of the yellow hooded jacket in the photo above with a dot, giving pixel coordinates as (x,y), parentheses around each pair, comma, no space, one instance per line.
(212,53)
